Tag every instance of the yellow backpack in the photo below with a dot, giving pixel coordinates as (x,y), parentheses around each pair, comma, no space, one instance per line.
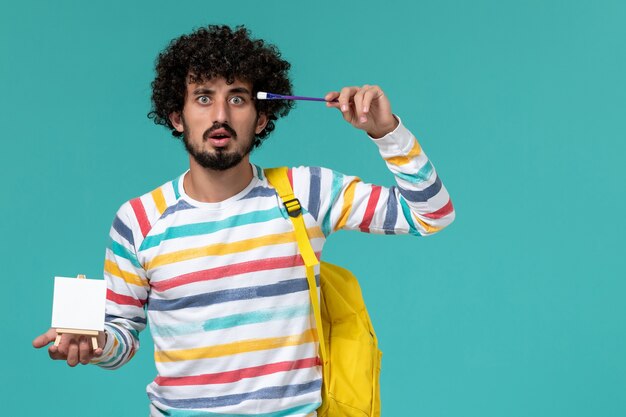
(349,349)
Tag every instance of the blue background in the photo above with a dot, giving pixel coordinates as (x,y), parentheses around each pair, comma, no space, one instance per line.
(516,310)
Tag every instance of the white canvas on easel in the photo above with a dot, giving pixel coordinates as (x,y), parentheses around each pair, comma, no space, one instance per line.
(78,304)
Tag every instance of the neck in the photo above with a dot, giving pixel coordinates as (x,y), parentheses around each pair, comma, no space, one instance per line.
(210,186)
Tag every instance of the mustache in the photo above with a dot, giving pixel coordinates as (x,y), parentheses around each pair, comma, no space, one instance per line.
(216,126)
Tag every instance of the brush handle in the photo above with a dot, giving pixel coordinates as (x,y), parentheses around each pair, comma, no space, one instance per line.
(271,96)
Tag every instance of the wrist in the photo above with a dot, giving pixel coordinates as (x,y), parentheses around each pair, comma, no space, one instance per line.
(384,129)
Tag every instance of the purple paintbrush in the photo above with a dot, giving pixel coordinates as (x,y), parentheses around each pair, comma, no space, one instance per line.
(262,95)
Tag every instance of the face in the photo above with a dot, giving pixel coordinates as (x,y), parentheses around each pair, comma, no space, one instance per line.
(219,122)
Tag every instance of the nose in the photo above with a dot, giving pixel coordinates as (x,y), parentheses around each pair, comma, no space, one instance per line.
(220,111)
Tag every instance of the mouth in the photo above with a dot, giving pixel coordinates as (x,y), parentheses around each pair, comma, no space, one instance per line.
(220,138)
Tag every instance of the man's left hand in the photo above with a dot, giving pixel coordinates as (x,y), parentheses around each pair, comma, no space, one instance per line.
(366,108)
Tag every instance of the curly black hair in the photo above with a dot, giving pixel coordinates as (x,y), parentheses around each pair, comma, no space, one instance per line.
(220,51)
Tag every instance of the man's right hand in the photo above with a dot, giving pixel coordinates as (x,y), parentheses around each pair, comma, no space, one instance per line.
(73,348)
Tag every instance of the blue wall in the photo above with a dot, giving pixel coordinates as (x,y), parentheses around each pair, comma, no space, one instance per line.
(515,310)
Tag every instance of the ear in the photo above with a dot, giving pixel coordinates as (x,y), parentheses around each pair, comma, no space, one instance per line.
(261,122)
(177,122)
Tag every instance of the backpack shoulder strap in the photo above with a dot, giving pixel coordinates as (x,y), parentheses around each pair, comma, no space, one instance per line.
(277,177)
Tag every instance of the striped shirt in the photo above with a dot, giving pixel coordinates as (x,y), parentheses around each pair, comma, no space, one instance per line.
(225,289)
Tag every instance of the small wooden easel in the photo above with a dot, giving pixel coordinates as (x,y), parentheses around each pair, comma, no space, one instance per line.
(92,333)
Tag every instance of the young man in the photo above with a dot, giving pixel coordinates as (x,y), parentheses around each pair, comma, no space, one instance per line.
(211,257)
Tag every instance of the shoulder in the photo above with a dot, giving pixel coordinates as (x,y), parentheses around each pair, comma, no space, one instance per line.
(302,175)
(306,177)
(314,178)
(145,210)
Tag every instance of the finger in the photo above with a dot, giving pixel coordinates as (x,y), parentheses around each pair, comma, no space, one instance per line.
(102,341)
(44,339)
(72,354)
(64,344)
(345,96)
(330,96)
(67,339)
(358,104)
(373,93)
(331,99)
(84,350)
(54,353)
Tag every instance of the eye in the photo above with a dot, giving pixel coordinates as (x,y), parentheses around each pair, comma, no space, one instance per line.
(203,100)
(237,100)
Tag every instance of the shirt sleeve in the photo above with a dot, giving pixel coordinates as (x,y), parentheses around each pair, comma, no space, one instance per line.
(127,292)
(418,204)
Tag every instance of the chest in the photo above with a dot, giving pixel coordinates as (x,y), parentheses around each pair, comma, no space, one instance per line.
(202,245)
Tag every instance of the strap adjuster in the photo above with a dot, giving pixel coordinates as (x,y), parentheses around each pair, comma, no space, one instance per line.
(294,209)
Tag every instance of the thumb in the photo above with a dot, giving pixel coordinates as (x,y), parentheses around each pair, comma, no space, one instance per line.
(44,339)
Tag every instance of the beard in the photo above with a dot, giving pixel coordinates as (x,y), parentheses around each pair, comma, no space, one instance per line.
(220,159)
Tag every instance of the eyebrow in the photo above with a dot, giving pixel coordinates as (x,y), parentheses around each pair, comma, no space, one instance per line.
(208,91)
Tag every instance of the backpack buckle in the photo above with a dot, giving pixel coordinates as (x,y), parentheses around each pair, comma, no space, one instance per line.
(294,209)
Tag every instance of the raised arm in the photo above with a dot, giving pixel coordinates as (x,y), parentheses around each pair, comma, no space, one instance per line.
(419,204)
